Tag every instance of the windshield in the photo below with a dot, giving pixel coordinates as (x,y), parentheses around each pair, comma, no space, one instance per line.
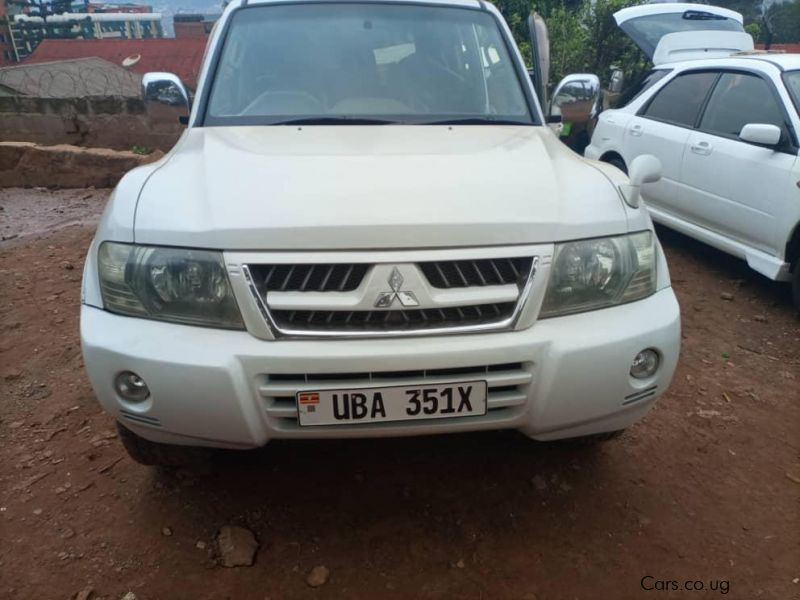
(367,63)
(792,81)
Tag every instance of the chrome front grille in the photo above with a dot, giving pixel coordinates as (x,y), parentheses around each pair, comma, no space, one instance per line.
(482,272)
(359,298)
(393,320)
(308,278)
(507,386)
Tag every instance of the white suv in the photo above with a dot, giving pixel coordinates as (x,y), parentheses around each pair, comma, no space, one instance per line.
(724,123)
(367,230)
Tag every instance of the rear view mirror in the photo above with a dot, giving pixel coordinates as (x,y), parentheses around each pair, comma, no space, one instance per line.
(165,97)
(645,168)
(761,134)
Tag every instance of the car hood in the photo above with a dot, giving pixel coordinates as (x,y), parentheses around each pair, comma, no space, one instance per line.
(357,187)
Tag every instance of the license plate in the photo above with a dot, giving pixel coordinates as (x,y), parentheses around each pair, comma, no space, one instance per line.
(395,403)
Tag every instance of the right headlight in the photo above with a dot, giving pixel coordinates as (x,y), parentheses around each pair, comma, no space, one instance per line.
(598,273)
(179,285)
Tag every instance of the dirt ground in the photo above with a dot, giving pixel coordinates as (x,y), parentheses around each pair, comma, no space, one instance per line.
(706,489)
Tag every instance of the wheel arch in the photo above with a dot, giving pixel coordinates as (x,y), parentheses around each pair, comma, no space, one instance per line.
(611,156)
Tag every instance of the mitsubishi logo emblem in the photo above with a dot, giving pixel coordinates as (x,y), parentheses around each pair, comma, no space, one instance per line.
(386,299)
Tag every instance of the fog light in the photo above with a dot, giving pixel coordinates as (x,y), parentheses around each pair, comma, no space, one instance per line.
(645,364)
(131,387)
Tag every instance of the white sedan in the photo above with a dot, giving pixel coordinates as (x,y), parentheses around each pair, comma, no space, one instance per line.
(724,122)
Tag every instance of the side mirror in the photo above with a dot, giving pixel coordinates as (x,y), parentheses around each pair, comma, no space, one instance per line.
(165,97)
(644,169)
(616,82)
(761,134)
(576,98)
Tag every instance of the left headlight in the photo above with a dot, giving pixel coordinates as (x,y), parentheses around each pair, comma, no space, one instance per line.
(598,273)
(167,284)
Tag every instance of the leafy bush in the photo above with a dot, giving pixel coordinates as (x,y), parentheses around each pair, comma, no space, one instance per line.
(583,36)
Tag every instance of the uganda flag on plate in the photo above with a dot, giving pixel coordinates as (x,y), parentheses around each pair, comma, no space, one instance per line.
(308,401)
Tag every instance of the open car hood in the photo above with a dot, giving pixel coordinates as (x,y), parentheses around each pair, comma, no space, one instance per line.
(679,31)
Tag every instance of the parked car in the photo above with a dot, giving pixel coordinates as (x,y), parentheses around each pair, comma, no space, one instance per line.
(366,230)
(723,120)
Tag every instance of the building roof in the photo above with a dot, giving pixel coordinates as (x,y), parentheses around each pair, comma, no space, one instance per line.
(180,56)
(75,78)
(196,17)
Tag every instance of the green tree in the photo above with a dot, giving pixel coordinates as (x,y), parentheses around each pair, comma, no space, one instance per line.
(516,12)
(754,29)
(608,44)
(781,20)
(776,21)
(569,43)
(583,35)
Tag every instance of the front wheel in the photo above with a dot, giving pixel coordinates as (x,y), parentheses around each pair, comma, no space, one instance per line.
(154,454)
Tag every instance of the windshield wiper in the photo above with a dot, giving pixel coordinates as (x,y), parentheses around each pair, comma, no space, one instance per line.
(339,120)
(345,120)
(474,121)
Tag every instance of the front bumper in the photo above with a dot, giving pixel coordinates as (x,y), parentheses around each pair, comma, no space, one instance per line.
(207,384)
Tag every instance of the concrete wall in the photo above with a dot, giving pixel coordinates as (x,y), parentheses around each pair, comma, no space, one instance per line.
(104,122)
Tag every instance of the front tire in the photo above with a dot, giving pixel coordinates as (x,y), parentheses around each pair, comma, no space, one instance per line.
(153,454)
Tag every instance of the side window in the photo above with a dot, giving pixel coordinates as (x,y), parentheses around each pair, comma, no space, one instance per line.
(640,86)
(679,101)
(737,100)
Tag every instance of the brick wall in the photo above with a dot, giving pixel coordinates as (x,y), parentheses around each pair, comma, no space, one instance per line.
(102,122)
(788,48)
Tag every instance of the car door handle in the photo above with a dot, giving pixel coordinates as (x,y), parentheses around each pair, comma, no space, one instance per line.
(636,130)
(702,148)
